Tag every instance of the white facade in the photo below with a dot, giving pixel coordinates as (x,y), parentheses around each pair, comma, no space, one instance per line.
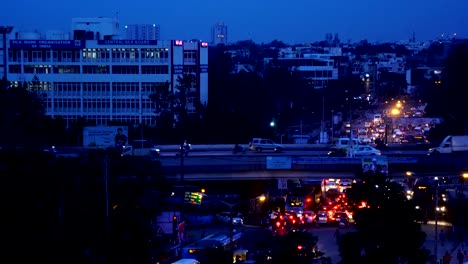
(143,32)
(104,80)
(219,34)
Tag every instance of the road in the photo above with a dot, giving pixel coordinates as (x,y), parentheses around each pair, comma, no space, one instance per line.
(311,152)
(254,234)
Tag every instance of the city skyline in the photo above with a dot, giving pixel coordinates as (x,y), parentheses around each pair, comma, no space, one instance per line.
(260,21)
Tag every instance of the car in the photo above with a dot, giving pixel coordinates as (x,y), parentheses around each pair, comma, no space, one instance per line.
(260,144)
(225,217)
(340,217)
(322,217)
(344,184)
(337,152)
(366,151)
(307,217)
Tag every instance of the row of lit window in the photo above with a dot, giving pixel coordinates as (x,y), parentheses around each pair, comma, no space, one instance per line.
(88,69)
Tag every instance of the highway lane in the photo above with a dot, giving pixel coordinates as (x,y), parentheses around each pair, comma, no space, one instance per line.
(314,153)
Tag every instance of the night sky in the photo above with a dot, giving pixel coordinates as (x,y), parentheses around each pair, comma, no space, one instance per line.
(259,20)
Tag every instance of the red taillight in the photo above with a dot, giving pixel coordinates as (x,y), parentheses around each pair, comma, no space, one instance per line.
(278,224)
(299,247)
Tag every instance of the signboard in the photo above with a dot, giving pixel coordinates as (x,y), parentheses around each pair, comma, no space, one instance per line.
(46,44)
(278,162)
(377,164)
(127,42)
(178,69)
(101,136)
(282,184)
(203,68)
(193,197)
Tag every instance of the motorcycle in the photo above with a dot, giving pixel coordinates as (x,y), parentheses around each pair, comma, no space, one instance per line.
(238,149)
(184,149)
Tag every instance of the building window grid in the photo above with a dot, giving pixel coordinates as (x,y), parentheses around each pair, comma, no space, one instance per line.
(155,55)
(70,56)
(190,56)
(124,55)
(156,69)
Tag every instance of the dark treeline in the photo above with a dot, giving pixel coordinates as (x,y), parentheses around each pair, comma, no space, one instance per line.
(54,209)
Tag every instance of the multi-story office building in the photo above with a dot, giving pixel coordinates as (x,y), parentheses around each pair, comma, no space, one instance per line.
(100,77)
(142,32)
(219,34)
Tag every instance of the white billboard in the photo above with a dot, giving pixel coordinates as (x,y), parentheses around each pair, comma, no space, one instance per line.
(278,162)
(102,136)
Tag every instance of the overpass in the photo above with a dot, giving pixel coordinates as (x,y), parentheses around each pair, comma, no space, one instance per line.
(296,162)
(264,167)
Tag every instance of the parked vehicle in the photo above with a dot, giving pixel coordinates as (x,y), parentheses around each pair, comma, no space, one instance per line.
(451,144)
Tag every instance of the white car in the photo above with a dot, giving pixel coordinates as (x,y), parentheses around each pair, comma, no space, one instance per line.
(225,217)
(366,151)
(260,144)
(345,184)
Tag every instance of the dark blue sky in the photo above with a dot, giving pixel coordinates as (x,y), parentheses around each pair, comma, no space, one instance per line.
(260,20)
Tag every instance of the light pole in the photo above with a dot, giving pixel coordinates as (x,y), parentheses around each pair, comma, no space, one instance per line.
(332,127)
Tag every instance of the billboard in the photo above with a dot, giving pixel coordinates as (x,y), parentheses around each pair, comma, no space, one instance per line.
(46,44)
(127,42)
(278,162)
(102,136)
(376,164)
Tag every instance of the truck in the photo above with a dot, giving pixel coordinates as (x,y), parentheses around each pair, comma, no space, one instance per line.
(451,144)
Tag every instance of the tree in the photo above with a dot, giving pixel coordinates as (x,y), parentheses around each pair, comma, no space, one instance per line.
(448,97)
(22,113)
(386,226)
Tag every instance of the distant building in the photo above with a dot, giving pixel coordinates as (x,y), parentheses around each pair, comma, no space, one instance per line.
(219,34)
(317,68)
(142,32)
(101,77)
